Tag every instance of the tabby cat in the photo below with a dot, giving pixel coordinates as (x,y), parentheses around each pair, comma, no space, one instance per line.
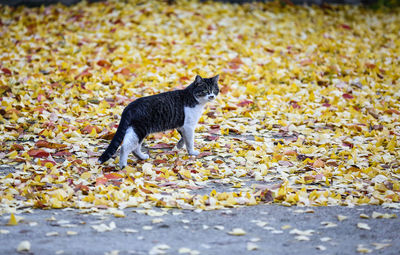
(180,109)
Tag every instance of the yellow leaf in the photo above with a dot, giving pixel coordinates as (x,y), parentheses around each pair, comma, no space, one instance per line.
(13,221)
(93,133)
(12,155)
(86,175)
(129,170)
(392,144)
(251,89)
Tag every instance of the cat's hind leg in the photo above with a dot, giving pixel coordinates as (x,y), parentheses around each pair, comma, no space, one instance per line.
(138,152)
(130,143)
(181,142)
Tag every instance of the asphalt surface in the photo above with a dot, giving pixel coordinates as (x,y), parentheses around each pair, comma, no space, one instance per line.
(269,229)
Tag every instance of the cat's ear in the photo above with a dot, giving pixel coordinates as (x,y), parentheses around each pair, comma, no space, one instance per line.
(198,79)
(215,79)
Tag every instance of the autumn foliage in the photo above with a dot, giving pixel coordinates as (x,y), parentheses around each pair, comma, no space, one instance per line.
(308,112)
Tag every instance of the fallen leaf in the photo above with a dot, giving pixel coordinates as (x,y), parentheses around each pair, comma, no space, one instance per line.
(24,246)
(4,231)
(72,233)
(363,226)
(159,249)
(362,249)
(38,153)
(377,215)
(13,221)
(53,233)
(342,217)
(380,246)
(103,227)
(251,246)
(237,232)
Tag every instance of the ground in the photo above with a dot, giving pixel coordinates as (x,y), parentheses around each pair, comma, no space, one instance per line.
(269,229)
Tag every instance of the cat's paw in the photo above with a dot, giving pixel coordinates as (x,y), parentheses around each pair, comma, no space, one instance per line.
(180,144)
(194,153)
(144,156)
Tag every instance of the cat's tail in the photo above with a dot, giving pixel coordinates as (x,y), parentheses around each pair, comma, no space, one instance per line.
(117,139)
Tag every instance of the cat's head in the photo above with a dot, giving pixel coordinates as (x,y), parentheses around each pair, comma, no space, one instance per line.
(205,89)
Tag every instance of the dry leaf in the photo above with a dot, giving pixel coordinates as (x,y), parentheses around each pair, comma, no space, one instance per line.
(103,227)
(13,221)
(237,232)
(379,246)
(363,226)
(251,246)
(342,217)
(53,233)
(24,246)
(362,249)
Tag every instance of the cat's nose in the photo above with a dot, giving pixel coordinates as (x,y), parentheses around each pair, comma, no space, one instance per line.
(211,97)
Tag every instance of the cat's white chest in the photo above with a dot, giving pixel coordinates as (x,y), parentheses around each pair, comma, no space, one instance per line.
(192,115)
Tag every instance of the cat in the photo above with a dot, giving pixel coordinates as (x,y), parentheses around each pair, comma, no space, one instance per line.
(178,109)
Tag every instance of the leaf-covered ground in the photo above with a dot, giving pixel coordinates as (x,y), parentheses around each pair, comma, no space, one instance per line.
(308,112)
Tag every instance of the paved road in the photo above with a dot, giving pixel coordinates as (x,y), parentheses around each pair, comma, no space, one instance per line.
(269,229)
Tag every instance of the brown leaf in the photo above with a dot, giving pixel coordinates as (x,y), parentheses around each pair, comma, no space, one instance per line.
(17,147)
(347,96)
(113,176)
(82,187)
(163,146)
(267,196)
(345,26)
(160,161)
(38,153)
(6,71)
(184,78)
(290,153)
(245,103)
(104,63)
(212,137)
(108,136)
(348,144)
(294,104)
(101,181)
(235,63)
(124,71)
(88,129)
(370,65)
(205,154)
(50,145)
(391,111)
(63,153)
(318,163)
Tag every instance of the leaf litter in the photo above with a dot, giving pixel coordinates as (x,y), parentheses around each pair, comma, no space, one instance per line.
(308,114)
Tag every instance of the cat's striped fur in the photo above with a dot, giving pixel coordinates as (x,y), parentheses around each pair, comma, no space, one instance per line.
(180,109)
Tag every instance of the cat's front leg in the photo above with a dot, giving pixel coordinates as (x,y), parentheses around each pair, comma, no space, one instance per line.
(188,136)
